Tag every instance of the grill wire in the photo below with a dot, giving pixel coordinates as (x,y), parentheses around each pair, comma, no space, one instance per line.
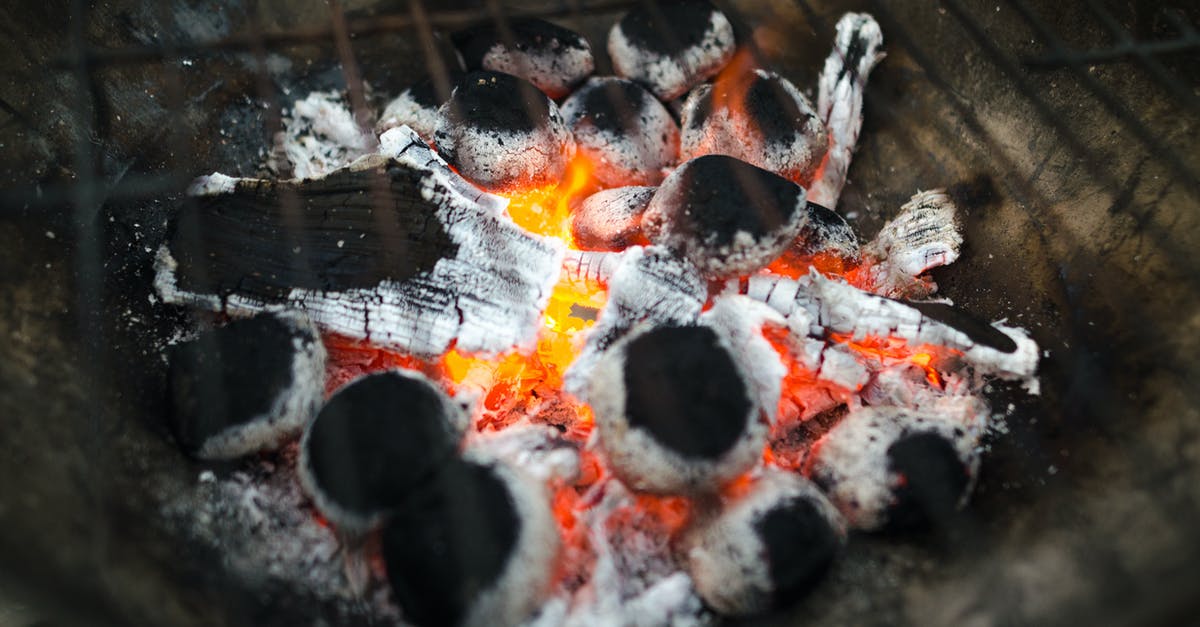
(89,191)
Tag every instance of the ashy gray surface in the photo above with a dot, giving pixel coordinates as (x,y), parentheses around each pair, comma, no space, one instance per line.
(1076,229)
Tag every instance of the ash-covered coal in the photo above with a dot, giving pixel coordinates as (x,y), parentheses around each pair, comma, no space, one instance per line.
(627,134)
(760,118)
(553,58)
(416,107)
(502,133)
(248,386)
(611,219)
(671,47)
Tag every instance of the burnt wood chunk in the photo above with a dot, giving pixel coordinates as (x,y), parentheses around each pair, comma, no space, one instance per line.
(553,58)
(376,441)
(726,216)
(760,118)
(826,231)
(627,135)
(610,219)
(979,331)
(247,386)
(502,133)
(766,549)
(474,547)
(395,249)
(671,47)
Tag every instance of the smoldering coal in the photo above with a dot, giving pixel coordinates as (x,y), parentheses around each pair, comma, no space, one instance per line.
(627,134)
(611,219)
(671,47)
(553,58)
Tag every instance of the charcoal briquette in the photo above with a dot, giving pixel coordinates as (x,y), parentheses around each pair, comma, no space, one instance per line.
(760,118)
(627,135)
(766,549)
(374,442)
(475,546)
(250,385)
(553,58)
(726,216)
(671,47)
(502,133)
(610,219)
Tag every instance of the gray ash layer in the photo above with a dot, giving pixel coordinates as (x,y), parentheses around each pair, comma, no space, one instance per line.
(502,133)
(725,216)
(671,47)
(760,118)
(448,269)
(611,219)
(248,386)
(553,58)
(416,107)
(627,135)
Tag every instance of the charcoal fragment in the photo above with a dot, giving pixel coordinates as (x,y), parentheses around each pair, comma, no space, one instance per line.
(553,58)
(724,215)
(675,410)
(766,549)
(934,481)
(502,133)
(610,219)
(671,47)
(247,386)
(475,546)
(374,443)
(627,135)
(760,118)
(416,107)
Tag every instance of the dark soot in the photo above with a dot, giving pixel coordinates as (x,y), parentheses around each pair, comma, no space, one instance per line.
(377,439)
(266,238)
(451,543)
(668,28)
(615,106)
(228,376)
(800,545)
(683,388)
(493,101)
(976,329)
(772,109)
(934,479)
(530,35)
(717,196)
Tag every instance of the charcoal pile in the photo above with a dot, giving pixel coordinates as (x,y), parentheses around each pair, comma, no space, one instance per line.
(532,364)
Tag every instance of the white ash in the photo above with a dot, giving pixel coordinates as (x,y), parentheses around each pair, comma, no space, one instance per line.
(670,74)
(857,49)
(292,409)
(212,185)
(629,136)
(649,286)
(852,460)
(610,219)
(319,136)
(833,305)
(729,560)
(786,138)
(581,267)
(460,301)
(258,521)
(539,451)
(924,235)
(409,109)
(739,321)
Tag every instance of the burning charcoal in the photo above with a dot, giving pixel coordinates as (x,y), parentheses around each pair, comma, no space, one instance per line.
(395,249)
(476,546)
(820,305)
(826,231)
(725,216)
(924,235)
(898,467)
(248,386)
(374,442)
(611,219)
(767,549)
(675,411)
(551,57)
(501,133)
(856,51)
(416,107)
(758,117)
(671,47)
(626,133)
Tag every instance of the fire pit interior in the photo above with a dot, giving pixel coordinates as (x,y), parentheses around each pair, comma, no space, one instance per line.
(624,401)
